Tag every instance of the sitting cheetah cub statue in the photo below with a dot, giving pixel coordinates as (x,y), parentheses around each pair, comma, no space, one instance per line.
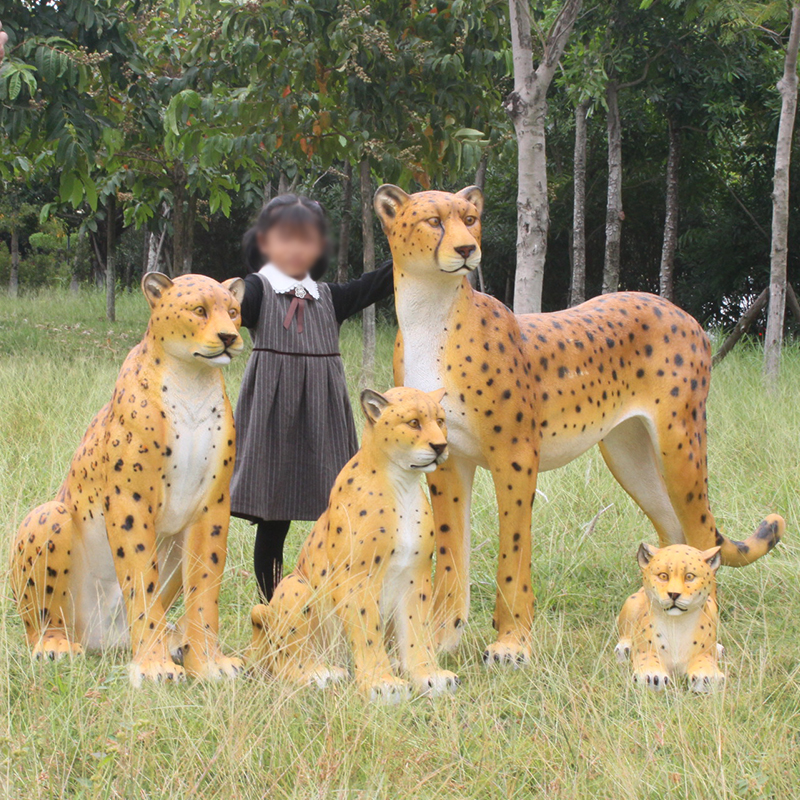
(365,569)
(669,627)
(143,512)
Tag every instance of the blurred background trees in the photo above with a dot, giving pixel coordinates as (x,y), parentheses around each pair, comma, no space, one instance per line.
(168,123)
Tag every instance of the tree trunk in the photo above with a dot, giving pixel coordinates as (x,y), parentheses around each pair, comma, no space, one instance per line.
(527,108)
(99,266)
(283,183)
(741,327)
(178,220)
(342,265)
(476,277)
(13,282)
(184,267)
(614,214)
(787,86)
(111,257)
(578,285)
(368,237)
(667,271)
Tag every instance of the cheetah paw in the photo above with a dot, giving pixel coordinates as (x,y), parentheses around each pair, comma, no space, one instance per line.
(654,679)
(156,670)
(389,690)
(218,668)
(507,653)
(434,684)
(623,651)
(54,648)
(703,683)
(324,676)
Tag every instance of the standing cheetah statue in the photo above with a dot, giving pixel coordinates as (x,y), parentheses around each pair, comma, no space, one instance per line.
(626,371)
(365,569)
(144,510)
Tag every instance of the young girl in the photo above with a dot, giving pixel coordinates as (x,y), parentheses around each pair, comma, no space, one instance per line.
(294,424)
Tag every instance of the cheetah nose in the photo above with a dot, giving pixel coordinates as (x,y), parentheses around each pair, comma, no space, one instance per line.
(674,596)
(227,338)
(465,251)
(438,448)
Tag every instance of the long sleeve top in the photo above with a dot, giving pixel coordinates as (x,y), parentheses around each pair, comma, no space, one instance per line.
(348,298)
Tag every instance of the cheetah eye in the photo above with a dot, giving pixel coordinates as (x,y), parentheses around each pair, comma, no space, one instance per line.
(413,423)
(434,222)
(469,221)
(662,576)
(233,312)
(200,311)
(690,576)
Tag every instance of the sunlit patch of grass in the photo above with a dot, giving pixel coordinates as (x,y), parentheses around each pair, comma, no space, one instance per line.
(570,726)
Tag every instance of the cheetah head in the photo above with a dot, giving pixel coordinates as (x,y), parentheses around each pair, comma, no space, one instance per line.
(678,578)
(195,318)
(408,426)
(432,233)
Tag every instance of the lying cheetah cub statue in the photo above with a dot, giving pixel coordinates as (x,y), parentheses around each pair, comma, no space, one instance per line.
(669,627)
(144,510)
(366,566)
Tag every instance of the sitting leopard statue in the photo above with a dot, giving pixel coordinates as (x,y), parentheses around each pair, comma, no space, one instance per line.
(525,393)
(143,513)
(365,569)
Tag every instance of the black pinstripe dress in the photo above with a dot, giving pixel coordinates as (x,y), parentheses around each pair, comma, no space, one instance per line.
(294,424)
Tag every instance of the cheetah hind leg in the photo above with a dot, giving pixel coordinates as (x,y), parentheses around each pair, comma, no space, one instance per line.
(286,637)
(40,564)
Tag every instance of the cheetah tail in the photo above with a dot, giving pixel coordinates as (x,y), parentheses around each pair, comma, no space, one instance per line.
(740,554)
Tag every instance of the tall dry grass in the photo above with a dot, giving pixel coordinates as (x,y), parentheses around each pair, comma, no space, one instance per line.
(570,726)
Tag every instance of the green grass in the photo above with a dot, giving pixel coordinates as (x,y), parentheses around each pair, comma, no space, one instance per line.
(570,726)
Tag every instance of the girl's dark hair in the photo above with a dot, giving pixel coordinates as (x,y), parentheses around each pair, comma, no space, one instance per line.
(286,209)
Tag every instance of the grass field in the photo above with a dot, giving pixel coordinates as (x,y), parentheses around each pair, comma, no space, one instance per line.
(569,726)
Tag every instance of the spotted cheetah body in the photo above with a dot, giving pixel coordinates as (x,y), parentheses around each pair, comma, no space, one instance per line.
(627,371)
(143,513)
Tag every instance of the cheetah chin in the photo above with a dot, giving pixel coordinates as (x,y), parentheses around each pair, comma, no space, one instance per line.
(143,513)
(628,372)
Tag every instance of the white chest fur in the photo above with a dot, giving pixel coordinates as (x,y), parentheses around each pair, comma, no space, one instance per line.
(195,414)
(674,639)
(423,311)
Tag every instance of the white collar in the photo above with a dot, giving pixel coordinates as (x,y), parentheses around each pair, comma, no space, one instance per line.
(283,283)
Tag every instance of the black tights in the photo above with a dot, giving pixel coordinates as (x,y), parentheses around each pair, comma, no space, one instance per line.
(268,555)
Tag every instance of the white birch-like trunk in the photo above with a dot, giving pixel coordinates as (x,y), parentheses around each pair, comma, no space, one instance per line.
(527,108)
(368,240)
(111,258)
(666,272)
(578,284)
(787,86)
(614,214)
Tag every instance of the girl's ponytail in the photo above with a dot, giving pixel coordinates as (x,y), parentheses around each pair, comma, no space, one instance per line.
(253,260)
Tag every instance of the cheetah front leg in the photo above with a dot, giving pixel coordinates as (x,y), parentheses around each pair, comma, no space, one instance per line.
(205,550)
(415,640)
(130,528)
(40,564)
(647,668)
(359,610)
(451,492)
(515,485)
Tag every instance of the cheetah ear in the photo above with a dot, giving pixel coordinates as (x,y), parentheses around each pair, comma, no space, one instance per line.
(236,287)
(645,554)
(712,557)
(389,199)
(154,284)
(438,395)
(373,404)
(474,195)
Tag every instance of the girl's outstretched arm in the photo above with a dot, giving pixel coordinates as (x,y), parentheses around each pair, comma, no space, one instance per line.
(354,296)
(251,305)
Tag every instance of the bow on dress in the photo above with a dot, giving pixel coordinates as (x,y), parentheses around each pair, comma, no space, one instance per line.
(296,308)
